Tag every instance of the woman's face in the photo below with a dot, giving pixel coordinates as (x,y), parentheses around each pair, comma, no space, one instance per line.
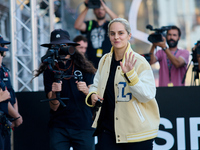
(118,35)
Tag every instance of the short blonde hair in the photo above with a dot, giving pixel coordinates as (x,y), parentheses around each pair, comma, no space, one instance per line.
(123,21)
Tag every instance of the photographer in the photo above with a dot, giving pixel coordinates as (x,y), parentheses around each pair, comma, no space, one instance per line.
(173,61)
(70,125)
(196,55)
(8,104)
(96,31)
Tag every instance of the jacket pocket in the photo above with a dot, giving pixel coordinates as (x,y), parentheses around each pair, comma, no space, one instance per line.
(137,108)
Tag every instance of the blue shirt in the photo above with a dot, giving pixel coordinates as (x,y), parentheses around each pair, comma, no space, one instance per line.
(5,78)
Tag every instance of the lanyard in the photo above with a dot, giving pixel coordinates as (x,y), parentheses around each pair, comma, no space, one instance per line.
(170,65)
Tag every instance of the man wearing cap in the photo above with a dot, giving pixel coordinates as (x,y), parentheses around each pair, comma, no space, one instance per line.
(70,119)
(8,101)
(96,31)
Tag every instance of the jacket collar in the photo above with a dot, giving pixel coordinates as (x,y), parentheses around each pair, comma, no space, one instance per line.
(128,49)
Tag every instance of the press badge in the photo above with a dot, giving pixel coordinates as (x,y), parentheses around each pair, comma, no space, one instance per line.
(99,53)
(170,84)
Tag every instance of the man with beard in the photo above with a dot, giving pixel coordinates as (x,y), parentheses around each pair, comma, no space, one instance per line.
(173,61)
(96,31)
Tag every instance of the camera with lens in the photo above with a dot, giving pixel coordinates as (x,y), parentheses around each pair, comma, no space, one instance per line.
(195,52)
(94,4)
(56,51)
(159,32)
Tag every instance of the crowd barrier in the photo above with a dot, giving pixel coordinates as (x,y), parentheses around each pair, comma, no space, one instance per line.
(179,127)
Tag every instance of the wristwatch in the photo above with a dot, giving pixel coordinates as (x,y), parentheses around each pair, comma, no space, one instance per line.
(164,48)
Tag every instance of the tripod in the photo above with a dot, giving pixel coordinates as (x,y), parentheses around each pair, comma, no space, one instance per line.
(195,74)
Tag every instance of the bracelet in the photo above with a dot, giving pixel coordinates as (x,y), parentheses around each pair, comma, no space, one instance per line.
(54,104)
(15,119)
(127,78)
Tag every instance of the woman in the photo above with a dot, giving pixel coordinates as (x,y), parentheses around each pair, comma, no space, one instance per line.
(124,83)
(69,126)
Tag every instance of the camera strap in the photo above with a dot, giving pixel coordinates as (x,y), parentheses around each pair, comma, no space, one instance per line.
(170,65)
(68,69)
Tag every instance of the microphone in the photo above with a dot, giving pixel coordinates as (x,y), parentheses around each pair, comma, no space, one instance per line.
(150,27)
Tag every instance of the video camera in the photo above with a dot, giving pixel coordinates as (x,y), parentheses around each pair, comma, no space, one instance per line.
(55,52)
(159,32)
(94,4)
(195,52)
(53,55)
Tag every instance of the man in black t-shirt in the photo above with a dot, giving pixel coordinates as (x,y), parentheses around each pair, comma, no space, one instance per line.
(96,32)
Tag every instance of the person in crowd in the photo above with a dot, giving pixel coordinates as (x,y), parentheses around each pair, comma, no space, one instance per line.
(83,44)
(96,31)
(70,119)
(173,60)
(196,55)
(10,116)
(124,84)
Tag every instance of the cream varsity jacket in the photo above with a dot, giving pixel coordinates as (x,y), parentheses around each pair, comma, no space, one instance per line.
(136,111)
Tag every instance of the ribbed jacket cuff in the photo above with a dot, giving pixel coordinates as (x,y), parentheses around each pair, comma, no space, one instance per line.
(131,77)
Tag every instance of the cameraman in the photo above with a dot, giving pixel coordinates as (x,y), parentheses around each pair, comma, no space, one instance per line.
(196,54)
(173,61)
(69,126)
(8,104)
(96,31)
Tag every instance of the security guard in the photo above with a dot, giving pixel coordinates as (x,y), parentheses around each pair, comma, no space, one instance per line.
(9,115)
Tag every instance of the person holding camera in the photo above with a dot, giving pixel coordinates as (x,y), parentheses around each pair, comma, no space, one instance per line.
(124,83)
(96,31)
(173,61)
(70,118)
(8,104)
(196,56)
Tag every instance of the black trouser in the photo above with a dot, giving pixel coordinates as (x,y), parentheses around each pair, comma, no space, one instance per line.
(63,138)
(106,141)
(4,139)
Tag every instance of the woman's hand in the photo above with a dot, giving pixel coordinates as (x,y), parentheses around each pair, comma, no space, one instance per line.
(129,63)
(82,87)
(94,98)
(56,87)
